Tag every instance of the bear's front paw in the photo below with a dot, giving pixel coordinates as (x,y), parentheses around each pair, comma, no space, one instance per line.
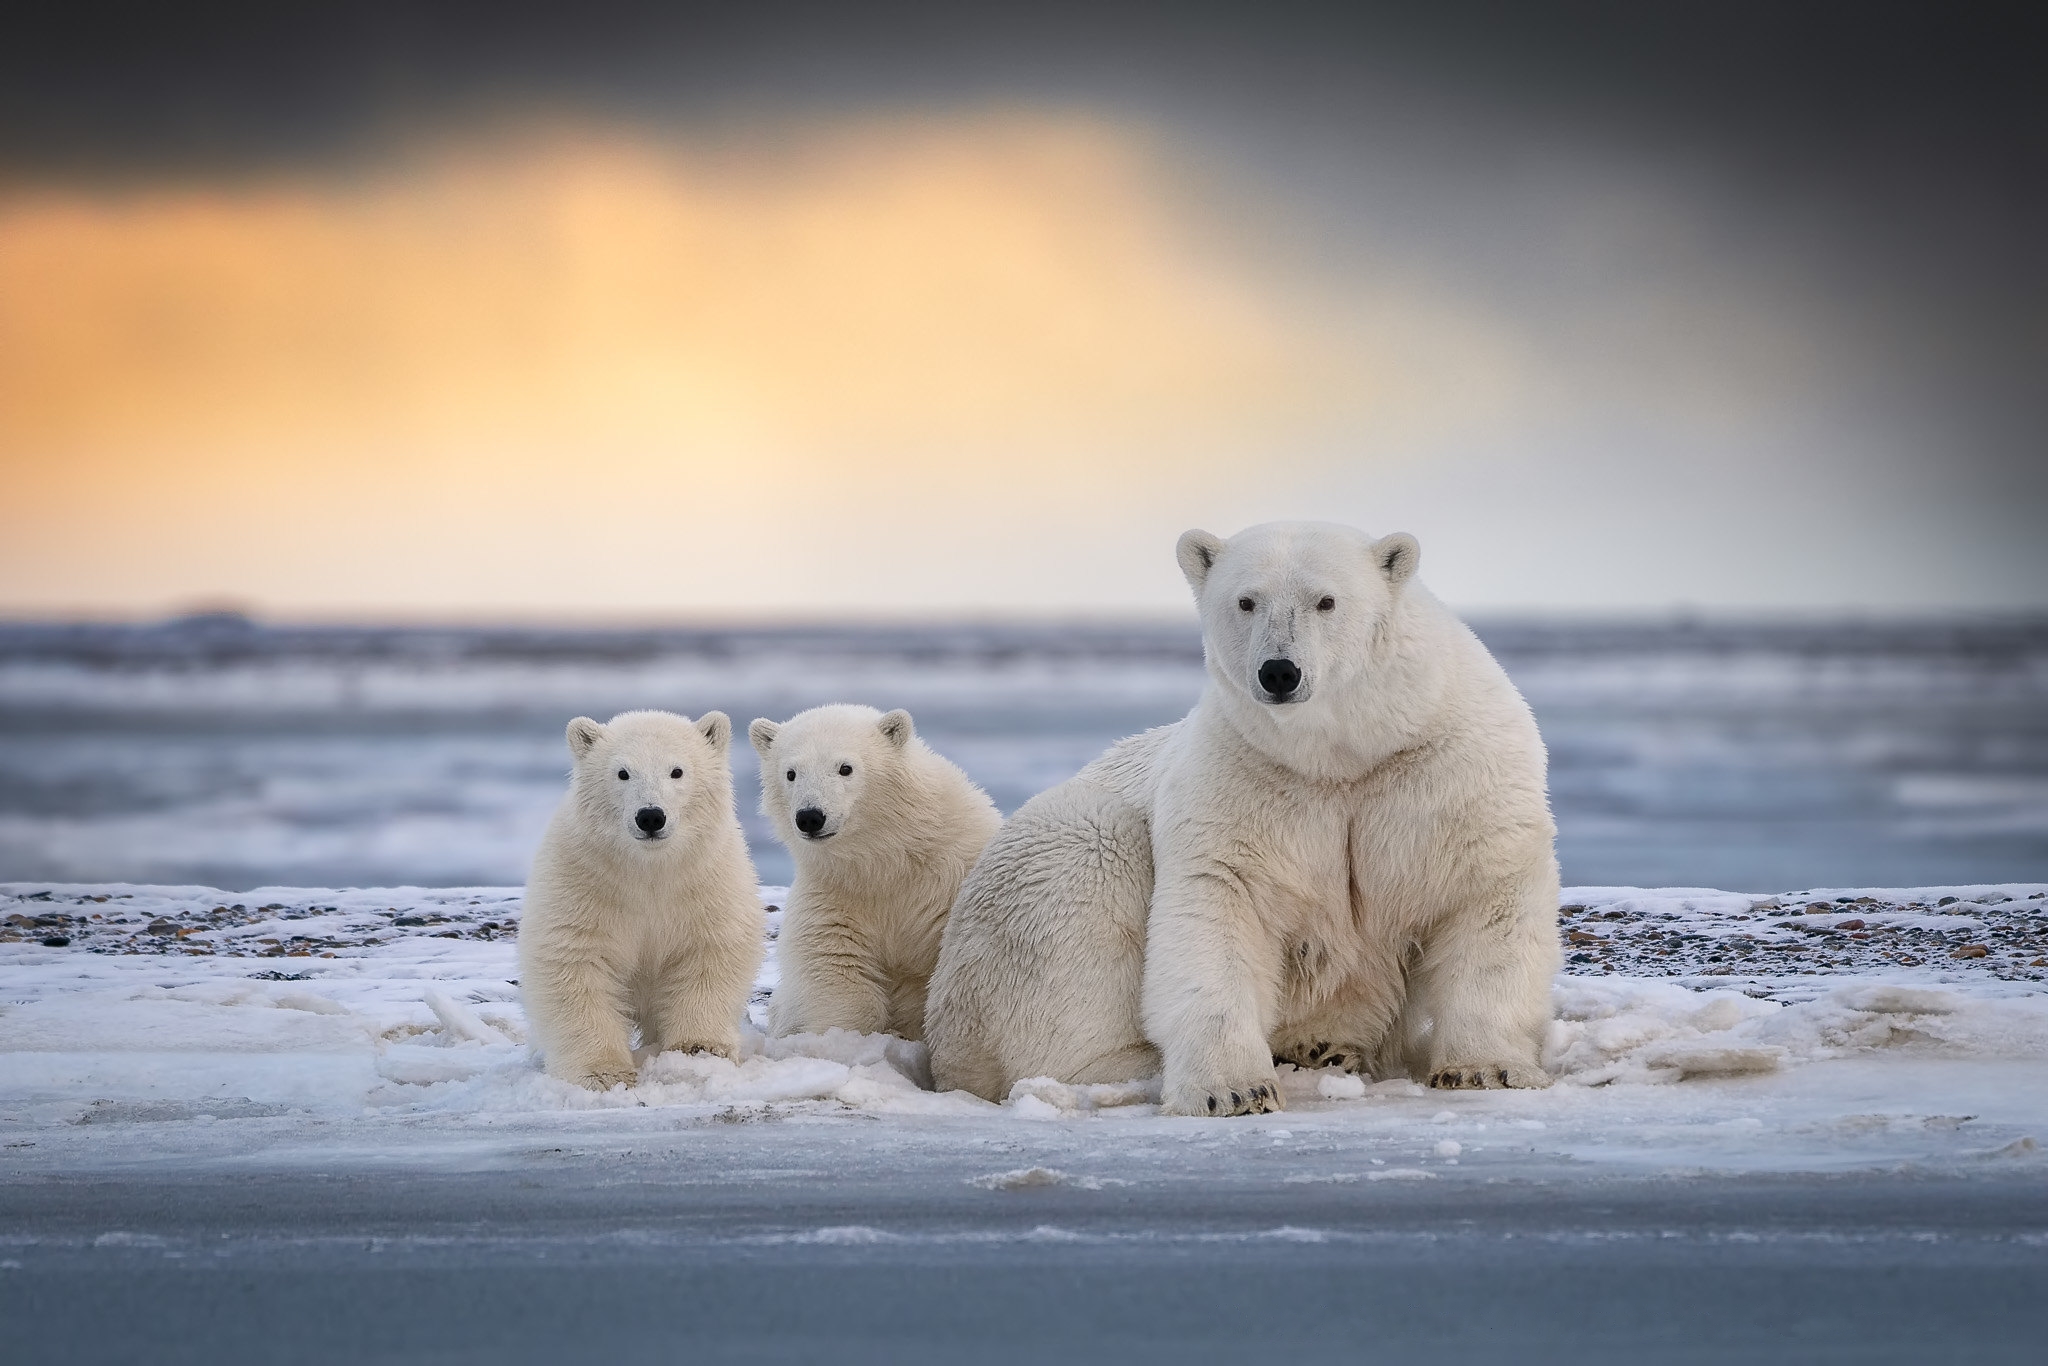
(727,1049)
(1488,1076)
(1226,1098)
(605,1078)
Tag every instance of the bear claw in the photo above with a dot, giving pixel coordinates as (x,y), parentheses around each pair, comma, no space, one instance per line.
(1492,1076)
(1322,1054)
(1225,1100)
(1263,1098)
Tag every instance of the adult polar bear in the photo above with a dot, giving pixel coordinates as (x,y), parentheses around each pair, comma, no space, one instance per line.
(1342,854)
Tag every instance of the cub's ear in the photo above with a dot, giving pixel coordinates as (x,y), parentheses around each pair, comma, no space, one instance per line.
(762,733)
(896,728)
(1397,557)
(716,727)
(1197,552)
(583,734)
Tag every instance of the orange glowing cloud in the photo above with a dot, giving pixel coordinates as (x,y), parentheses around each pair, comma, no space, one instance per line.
(431,355)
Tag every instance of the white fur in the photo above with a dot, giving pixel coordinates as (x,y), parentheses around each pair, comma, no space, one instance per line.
(623,929)
(874,883)
(1362,875)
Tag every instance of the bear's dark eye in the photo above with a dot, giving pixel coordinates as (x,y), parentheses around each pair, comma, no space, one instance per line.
(1244,604)
(623,775)
(846,770)
(675,773)
(791,775)
(1326,605)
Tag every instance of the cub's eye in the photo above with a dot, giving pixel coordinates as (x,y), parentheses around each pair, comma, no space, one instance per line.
(623,775)
(1326,605)
(1244,604)
(791,775)
(675,773)
(846,770)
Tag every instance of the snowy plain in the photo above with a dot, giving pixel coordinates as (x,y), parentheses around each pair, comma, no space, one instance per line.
(304,1123)
(293,1028)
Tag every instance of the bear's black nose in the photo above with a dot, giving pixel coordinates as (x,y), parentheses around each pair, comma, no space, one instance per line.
(650,818)
(1279,677)
(810,820)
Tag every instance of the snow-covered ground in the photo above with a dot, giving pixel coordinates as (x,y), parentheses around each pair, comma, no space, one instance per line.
(1839,1030)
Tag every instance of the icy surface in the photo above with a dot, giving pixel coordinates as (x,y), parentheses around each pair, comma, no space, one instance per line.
(295,1027)
(222,751)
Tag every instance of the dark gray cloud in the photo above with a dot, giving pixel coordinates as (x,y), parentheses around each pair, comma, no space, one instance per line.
(1868,84)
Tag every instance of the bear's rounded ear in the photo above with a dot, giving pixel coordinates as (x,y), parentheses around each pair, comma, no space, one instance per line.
(1397,556)
(762,733)
(1197,551)
(896,728)
(583,734)
(716,727)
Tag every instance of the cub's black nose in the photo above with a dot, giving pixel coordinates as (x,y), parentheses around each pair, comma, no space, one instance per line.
(650,818)
(810,820)
(1279,677)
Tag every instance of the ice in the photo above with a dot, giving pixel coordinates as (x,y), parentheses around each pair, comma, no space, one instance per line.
(458,1023)
(1022,1178)
(1044,1098)
(239,754)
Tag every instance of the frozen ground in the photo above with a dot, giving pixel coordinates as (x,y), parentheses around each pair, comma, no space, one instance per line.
(311,1112)
(1696,1029)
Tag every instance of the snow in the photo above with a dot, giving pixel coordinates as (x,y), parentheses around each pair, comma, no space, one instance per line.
(306,1027)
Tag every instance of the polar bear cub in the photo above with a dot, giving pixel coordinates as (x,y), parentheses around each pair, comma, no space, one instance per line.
(883,831)
(641,908)
(1342,854)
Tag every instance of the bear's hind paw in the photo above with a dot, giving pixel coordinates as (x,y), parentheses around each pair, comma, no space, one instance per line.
(1311,1056)
(1488,1077)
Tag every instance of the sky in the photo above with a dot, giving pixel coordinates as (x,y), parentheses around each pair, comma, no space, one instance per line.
(666,312)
